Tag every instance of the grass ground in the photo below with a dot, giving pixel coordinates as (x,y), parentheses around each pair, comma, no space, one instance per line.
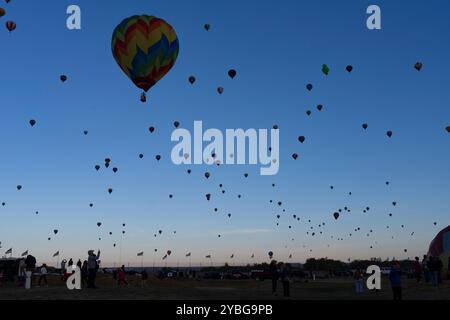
(188,289)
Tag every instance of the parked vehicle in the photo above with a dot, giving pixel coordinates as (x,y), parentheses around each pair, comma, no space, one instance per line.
(260,275)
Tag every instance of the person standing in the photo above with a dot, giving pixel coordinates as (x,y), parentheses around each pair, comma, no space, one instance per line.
(433,267)
(92,268)
(395,276)
(43,275)
(439,267)
(121,274)
(359,282)
(426,271)
(418,270)
(285,278)
(273,269)
(84,273)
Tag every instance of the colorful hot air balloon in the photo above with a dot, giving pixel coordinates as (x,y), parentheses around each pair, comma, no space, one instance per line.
(440,246)
(2,12)
(448,129)
(146,48)
(11,25)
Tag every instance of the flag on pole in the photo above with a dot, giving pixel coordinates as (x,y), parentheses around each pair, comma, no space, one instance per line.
(8,251)
(188,254)
(25,253)
(140,254)
(252,256)
(56,254)
(165,257)
(208,256)
(232,256)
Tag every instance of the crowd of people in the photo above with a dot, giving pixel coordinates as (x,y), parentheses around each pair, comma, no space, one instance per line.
(430,269)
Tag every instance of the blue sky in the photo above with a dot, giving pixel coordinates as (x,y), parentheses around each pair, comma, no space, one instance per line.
(277,47)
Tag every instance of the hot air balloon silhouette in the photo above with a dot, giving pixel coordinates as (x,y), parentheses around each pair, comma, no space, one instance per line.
(145,48)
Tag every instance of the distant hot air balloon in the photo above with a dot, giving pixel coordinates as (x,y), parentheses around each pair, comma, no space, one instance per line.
(208,197)
(220,90)
(169,252)
(207,175)
(55,231)
(19,187)
(151,129)
(207,27)
(146,48)
(97,167)
(115,170)
(176,124)
(110,190)
(325,69)
(349,68)
(309,87)
(308,113)
(99,224)
(336,215)
(192,79)
(448,129)
(418,66)
(295,156)
(2,12)
(63,78)
(141,156)
(389,134)
(158,157)
(232,73)
(11,26)
(301,139)
(270,254)
(320,107)
(365,126)
(32,122)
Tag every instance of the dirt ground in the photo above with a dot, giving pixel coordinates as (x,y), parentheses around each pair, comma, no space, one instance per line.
(188,289)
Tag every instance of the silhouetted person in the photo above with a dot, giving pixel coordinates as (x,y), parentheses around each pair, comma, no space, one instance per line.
(43,275)
(286,278)
(121,274)
(417,270)
(273,269)
(84,273)
(92,268)
(426,270)
(395,276)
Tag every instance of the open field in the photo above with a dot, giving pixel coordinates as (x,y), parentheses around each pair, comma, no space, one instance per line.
(188,289)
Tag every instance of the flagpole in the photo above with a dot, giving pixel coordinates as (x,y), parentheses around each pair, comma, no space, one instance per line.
(120,255)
